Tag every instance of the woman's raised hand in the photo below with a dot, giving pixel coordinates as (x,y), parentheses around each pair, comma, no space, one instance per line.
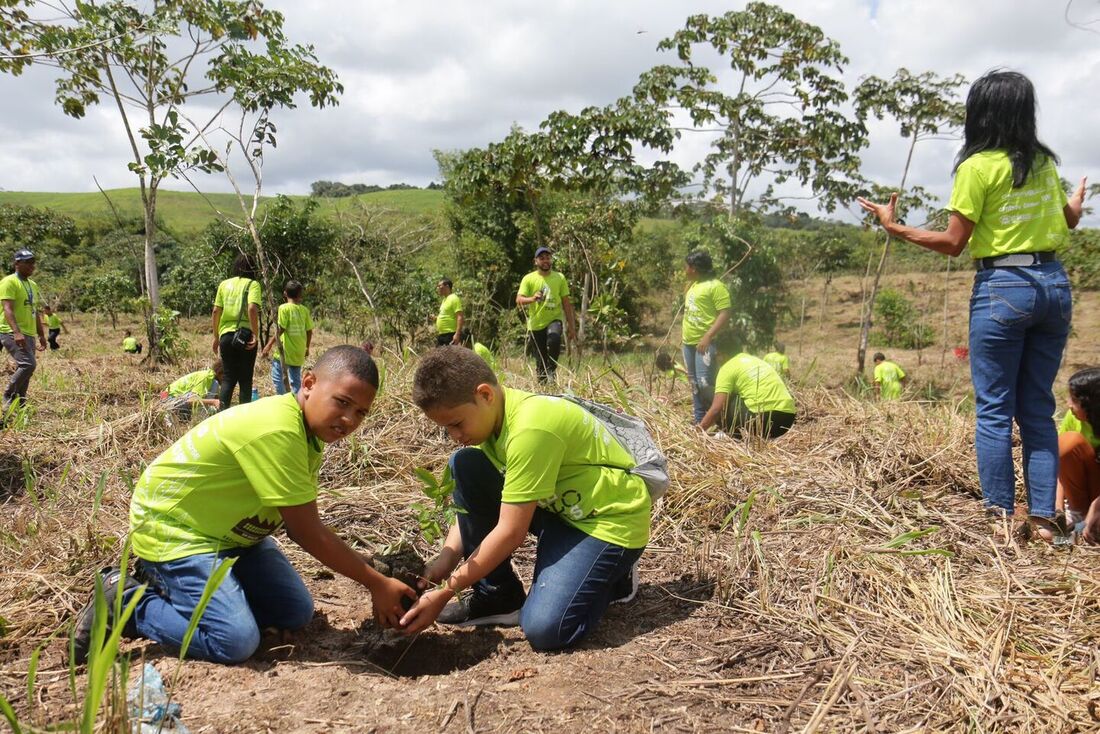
(883,212)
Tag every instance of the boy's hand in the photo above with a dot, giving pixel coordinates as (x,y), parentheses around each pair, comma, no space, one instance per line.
(1092,525)
(425,611)
(21,340)
(216,345)
(41,343)
(386,600)
(437,569)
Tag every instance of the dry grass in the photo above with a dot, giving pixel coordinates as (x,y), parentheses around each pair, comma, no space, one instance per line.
(840,579)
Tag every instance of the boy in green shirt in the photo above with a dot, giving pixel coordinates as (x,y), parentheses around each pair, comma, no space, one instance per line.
(544,292)
(220,492)
(706,312)
(450,319)
(534,464)
(19,294)
(779,361)
(888,378)
(130,345)
(53,327)
(295,333)
(195,388)
(750,397)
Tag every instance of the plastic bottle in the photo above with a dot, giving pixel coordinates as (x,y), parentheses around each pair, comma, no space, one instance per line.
(255,393)
(150,710)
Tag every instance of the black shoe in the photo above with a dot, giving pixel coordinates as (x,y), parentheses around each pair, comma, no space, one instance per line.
(474,609)
(82,633)
(626,588)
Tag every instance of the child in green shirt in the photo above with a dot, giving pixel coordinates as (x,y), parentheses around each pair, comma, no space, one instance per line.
(53,327)
(779,361)
(534,464)
(1078,471)
(295,333)
(889,378)
(750,397)
(130,345)
(220,492)
(199,388)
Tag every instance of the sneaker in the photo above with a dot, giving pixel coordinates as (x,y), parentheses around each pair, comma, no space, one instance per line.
(474,609)
(626,588)
(82,633)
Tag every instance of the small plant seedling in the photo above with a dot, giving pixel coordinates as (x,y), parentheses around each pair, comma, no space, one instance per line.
(432,517)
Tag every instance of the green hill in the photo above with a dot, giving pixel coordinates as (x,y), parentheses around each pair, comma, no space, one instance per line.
(186,212)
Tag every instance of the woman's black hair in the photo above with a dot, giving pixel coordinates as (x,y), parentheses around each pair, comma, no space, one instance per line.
(700,260)
(243,267)
(1000,115)
(1084,386)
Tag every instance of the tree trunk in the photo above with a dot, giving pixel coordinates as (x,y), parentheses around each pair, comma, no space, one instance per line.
(869,305)
(586,299)
(801,323)
(152,279)
(946,290)
(824,303)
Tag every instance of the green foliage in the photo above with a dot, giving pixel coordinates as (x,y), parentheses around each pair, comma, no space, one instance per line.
(431,518)
(899,324)
(782,112)
(189,287)
(1082,258)
(174,346)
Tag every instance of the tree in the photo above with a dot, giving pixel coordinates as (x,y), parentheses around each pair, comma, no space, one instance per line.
(926,106)
(126,53)
(780,114)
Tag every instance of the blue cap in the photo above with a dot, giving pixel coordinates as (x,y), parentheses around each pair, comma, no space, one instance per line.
(542,250)
(23,255)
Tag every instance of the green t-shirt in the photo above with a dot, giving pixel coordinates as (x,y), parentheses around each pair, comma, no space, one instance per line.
(446,322)
(1070,423)
(221,484)
(541,314)
(129,344)
(779,362)
(53,321)
(24,298)
(295,321)
(554,452)
(702,303)
(230,293)
(758,385)
(197,383)
(1008,220)
(487,354)
(888,375)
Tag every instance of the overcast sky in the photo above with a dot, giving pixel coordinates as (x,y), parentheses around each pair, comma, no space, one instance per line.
(421,75)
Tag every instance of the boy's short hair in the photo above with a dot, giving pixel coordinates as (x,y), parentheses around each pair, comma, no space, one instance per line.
(663,361)
(448,377)
(701,261)
(879,357)
(293,289)
(447,282)
(217,365)
(348,359)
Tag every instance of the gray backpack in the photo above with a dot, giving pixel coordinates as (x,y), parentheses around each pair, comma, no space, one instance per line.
(649,463)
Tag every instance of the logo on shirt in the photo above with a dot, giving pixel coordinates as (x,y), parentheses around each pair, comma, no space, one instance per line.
(255,528)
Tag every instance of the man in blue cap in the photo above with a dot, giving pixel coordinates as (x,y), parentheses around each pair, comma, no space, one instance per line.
(545,294)
(20,298)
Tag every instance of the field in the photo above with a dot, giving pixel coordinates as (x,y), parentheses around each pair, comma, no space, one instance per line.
(842,578)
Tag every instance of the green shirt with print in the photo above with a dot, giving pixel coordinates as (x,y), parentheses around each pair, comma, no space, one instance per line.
(24,298)
(702,303)
(228,298)
(221,485)
(295,321)
(1071,423)
(555,453)
(53,321)
(554,288)
(889,375)
(197,383)
(487,354)
(446,322)
(779,362)
(759,386)
(1008,220)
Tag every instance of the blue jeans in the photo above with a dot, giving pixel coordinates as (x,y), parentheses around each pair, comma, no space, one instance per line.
(294,373)
(262,590)
(575,573)
(702,368)
(1019,322)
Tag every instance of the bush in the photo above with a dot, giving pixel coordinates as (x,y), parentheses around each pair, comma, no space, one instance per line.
(898,323)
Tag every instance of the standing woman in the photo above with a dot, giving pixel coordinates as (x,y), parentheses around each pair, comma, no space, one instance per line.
(236,320)
(706,311)
(1008,204)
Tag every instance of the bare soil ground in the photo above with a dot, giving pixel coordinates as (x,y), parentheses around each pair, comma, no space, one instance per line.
(842,578)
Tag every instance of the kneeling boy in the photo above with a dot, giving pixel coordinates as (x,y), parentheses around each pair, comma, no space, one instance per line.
(220,492)
(199,388)
(750,397)
(542,465)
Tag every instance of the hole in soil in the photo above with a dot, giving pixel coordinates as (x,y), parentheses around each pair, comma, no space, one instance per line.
(12,482)
(436,653)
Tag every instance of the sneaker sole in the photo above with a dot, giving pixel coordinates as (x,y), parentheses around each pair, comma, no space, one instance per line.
(511,619)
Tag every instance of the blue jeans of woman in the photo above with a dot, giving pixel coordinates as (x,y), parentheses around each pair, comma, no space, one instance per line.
(702,369)
(1019,322)
(262,590)
(294,375)
(575,574)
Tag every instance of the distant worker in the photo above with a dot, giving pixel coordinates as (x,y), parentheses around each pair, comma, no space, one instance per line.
(750,398)
(487,354)
(199,388)
(450,319)
(1078,470)
(779,361)
(295,334)
(545,294)
(236,323)
(889,378)
(19,294)
(130,344)
(53,326)
(706,312)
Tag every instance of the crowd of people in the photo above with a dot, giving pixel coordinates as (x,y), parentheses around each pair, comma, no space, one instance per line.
(547,466)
